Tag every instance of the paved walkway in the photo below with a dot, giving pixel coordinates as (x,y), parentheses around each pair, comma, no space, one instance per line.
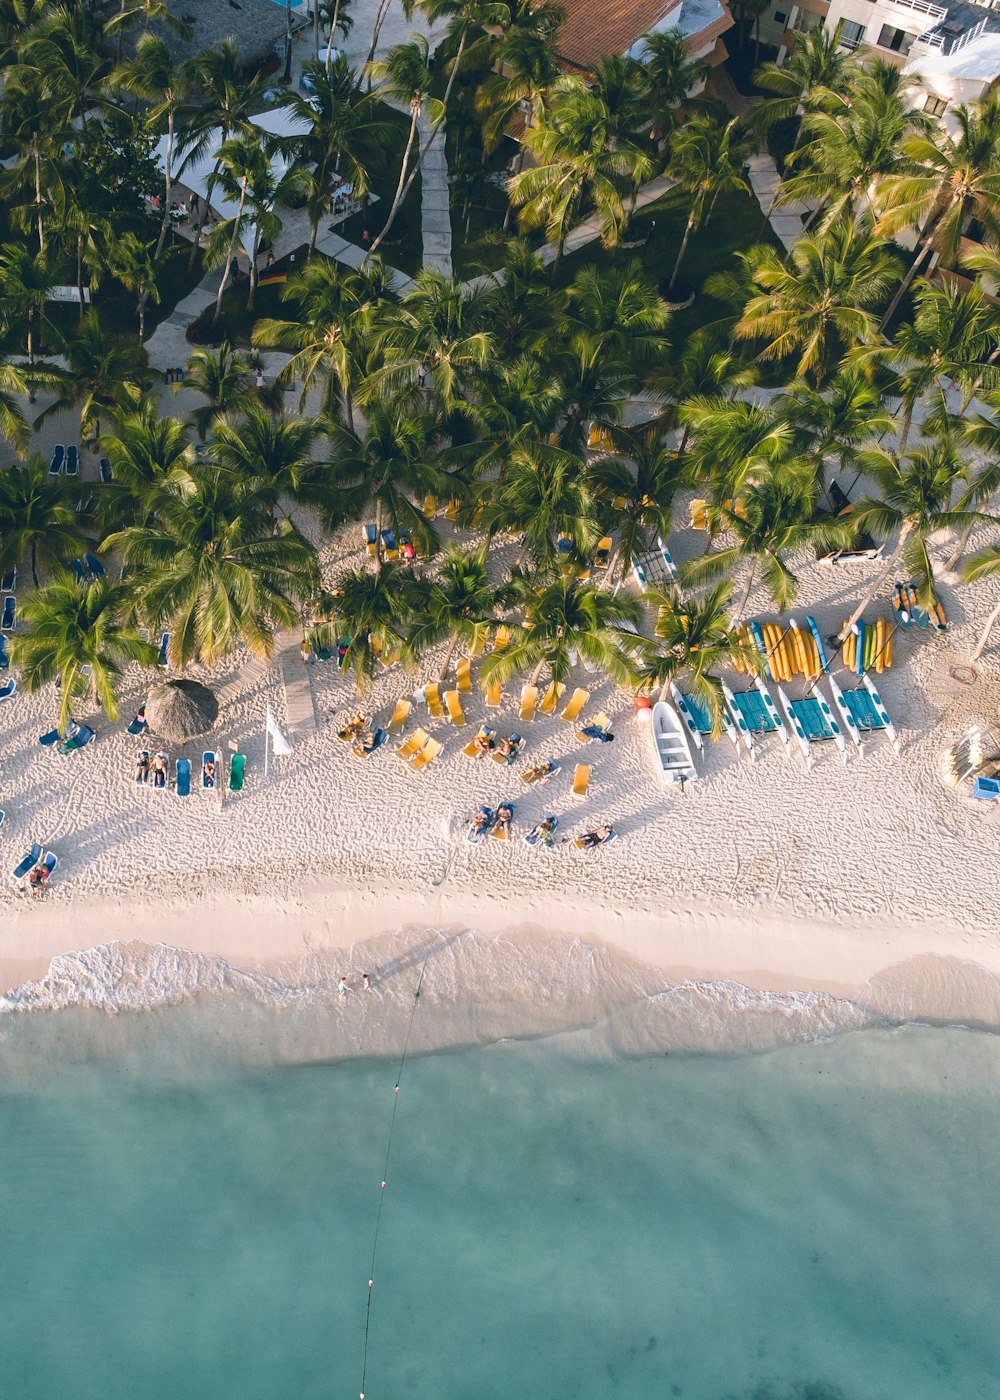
(590,229)
(435,213)
(787,219)
(300,710)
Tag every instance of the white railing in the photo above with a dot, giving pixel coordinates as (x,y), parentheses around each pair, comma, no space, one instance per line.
(936,40)
(923,7)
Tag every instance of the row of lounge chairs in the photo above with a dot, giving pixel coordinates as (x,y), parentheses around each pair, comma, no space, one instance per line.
(155,772)
(90,568)
(65,460)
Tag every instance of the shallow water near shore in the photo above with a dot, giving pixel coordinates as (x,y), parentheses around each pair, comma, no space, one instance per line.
(809,1223)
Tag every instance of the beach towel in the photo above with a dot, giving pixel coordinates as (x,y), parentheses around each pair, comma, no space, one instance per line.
(183,781)
(237,772)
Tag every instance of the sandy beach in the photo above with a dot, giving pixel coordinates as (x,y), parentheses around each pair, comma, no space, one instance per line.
(765,873)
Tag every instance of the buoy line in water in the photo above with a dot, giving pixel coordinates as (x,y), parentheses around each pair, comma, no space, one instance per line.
(385,1178)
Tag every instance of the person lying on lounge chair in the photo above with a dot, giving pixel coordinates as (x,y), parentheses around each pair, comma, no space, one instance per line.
(159,771)
(142,768)
(541,771)
(591,839)
(481,821)
(542,831)
(482,743)
(506,748)
(594,731)
(208,773)
(366,741)
(353,727)
(36,880)
(504,817)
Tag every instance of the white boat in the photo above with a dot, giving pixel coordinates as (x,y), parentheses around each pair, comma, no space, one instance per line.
(670,741)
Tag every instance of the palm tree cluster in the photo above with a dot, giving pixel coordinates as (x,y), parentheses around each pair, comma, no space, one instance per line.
(493,396)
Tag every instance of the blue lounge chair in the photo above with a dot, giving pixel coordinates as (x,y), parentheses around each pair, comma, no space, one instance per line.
(380,737)
(8,584)
(183,769)
(474,836)
(78,573)
(3,816)
(72,460)
(142,766)
(58,457)
(4,655)
(139,723)
(106,473)
(389,545)
(27,862)
(53,736)
(209,781)
(8,688)
(370,536)
(94,566)
(161,780)
(161,660)
(79,739)
(9,614)
(535,837)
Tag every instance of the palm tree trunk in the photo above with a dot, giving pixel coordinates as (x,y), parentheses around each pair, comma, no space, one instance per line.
(380,14)
(79,270)
(203,208)
(349,408)
(683,249)
(232,247)
(143,297)
(378,536)
(168,185)
(923,250)
(746,593)
(333,29)
(313,235)
(536,674)
(287,73)
(398,197)
(316,29)
(447,660)
(908,407)
(880,581)
(38,192)
(990,624)
(450,84)
(254,250)
(34,561)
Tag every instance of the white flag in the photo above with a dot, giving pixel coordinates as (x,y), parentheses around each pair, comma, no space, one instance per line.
(279,744)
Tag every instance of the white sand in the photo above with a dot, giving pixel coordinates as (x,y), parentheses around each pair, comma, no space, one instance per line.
(766,874)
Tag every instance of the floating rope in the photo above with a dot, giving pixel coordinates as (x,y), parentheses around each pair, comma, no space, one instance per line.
(385,1177)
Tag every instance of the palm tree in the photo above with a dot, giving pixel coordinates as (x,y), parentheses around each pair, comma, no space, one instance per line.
(949,180)
(526,68)
(564,622)
(673,75)
(64,47)
(773,518)
(241,159)
(26,279)
(38,168)
(78,635)
(227,98)
(150,74)
(144,451)
(579,163)
(345,129)
(134,264)
(816,304)
(913,503)
(373,612)
(543,495)
(36,519)
(702,368)
(464,18)
(437,331)
(331,337)
(696,641)
(382,471)
(635,490)
(460,606)
(224,377)
(733,441)
(846,413)
(14,384)
(105,376)
(272,453)
(620,311)
(985,563)
(816,70)
(519,305)
(405,75)
(707,159)
(214,567)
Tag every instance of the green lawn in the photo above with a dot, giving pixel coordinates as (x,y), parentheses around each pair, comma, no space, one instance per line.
(404,246)
(736,224)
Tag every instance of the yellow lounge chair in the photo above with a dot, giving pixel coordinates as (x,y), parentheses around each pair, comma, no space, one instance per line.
(601,721)
(529,699)
(470,749)
(577,701)
(413,744)
(427,754)
(593,437)
(463,674)
(493,693)
(581,779)
(432,695)
(452,509)
(502,640)
(455,712)
(399,716)
(552,697)
(602,558)
(430,505)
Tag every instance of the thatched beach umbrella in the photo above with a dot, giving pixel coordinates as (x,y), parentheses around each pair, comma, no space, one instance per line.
(180,710)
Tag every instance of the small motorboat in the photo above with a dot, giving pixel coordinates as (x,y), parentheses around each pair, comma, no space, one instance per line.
(673,749)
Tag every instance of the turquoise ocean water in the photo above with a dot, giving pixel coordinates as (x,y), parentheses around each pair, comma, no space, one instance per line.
(811,1223)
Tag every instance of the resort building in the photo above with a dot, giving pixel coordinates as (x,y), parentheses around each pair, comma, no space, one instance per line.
(592,31)
(953,47)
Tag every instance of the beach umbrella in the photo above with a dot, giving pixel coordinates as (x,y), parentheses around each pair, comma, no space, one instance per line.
(180,710)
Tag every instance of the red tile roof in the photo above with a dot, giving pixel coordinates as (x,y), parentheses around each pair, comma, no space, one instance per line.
(593,29)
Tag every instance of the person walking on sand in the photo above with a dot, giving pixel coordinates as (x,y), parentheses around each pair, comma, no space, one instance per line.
(366,982)
(342,987)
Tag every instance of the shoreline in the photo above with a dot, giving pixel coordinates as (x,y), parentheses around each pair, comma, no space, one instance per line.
(900,971)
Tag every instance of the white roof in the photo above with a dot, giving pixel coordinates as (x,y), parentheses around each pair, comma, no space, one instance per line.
(978,61)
